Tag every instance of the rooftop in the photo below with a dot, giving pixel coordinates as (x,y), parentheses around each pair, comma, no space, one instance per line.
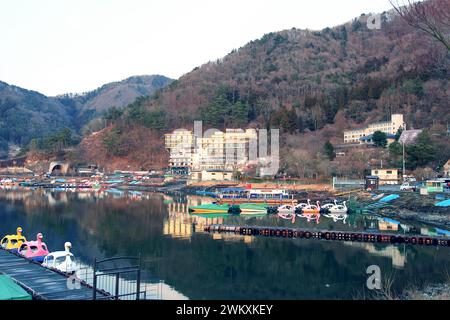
(408,136)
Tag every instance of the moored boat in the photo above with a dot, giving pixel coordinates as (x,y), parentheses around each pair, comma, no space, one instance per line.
(210,208)
(34,250)
(12,242)
(312,209)
(252,208)
(63,261)
(241,195)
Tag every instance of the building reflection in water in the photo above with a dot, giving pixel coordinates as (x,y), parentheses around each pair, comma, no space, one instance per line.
(180,224)
(395,253)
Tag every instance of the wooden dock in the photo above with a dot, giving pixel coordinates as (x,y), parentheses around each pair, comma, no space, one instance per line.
(43,283)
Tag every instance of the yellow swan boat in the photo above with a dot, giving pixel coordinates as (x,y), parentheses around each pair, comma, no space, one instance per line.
(12,242)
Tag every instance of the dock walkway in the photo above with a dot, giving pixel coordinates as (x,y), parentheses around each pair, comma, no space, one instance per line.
(44,283)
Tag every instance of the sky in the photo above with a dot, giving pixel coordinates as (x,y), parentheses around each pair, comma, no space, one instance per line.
(62,46)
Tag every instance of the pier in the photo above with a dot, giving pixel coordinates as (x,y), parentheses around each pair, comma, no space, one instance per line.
(43,283)
(330,235)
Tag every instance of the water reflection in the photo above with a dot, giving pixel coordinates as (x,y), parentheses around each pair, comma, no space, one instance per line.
(197,265)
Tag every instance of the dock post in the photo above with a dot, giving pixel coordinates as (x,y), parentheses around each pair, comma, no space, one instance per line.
(117,286)
(138,280)
(94,285)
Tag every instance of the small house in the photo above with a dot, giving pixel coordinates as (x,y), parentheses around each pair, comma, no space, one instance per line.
(434,186)
(386,224)
(372,183)
(210,175)
(387,176)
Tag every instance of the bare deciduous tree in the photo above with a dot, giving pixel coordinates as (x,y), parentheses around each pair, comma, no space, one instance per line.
(432,17)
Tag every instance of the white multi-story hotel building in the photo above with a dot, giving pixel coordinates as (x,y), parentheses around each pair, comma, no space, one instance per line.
(390,127)
(219,150)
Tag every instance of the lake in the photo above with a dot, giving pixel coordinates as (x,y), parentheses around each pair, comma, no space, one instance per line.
(192,264)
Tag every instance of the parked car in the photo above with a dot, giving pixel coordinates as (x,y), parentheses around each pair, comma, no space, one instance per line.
(407,186)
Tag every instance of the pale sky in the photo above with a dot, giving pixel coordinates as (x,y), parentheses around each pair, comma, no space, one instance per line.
(60,46)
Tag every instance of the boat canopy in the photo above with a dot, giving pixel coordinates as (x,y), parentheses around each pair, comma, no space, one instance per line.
(9,290)
(233,190)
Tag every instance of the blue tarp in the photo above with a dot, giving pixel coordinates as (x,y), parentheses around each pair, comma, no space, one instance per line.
(389,220)
(389,198)
(444,203)
(442,232)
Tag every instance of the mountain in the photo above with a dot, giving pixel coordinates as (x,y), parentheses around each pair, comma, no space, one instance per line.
(310,84)
(115,94)
(26,114)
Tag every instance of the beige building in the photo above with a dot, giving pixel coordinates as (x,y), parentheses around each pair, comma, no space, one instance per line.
(209,175)
(389,127)
(387,176)
(447,169)
(218,150)
(224,150)
(180,145)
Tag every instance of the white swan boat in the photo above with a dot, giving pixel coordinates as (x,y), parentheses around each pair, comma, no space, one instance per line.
(61,260)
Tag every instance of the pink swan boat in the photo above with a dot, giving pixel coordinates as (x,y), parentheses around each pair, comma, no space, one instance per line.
(34,250)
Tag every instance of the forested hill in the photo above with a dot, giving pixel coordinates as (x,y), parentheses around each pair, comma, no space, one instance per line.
(26,114)
(303,82)
(300,80)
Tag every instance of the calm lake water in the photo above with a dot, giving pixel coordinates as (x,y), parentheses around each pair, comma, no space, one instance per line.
(196,265)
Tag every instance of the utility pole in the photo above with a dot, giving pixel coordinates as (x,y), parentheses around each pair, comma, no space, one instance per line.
(403,144)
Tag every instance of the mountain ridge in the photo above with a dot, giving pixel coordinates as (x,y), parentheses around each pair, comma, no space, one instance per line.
(26,114)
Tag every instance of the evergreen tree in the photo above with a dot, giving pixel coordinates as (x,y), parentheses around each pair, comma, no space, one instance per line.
(379,139)
(329,151)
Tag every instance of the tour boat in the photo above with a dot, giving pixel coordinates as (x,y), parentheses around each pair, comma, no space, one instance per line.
(34,250)
(12,242)
(210,208)
(252,208)
(238,195)
(61,260)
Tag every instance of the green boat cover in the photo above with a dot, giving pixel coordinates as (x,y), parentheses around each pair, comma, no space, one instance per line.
(253,206)
(9,290)
(212,206)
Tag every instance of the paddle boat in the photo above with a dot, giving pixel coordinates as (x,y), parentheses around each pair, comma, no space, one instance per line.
(287,216)
(210,208)
(252,208)
(12,242)
(287,208)
(335,208)
(34,250)
(63,261)
(337,216)
(312,208)
(293,207)
(310,216)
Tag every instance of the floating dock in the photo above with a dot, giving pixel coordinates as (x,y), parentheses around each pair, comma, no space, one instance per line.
(360,236)
(43,283)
